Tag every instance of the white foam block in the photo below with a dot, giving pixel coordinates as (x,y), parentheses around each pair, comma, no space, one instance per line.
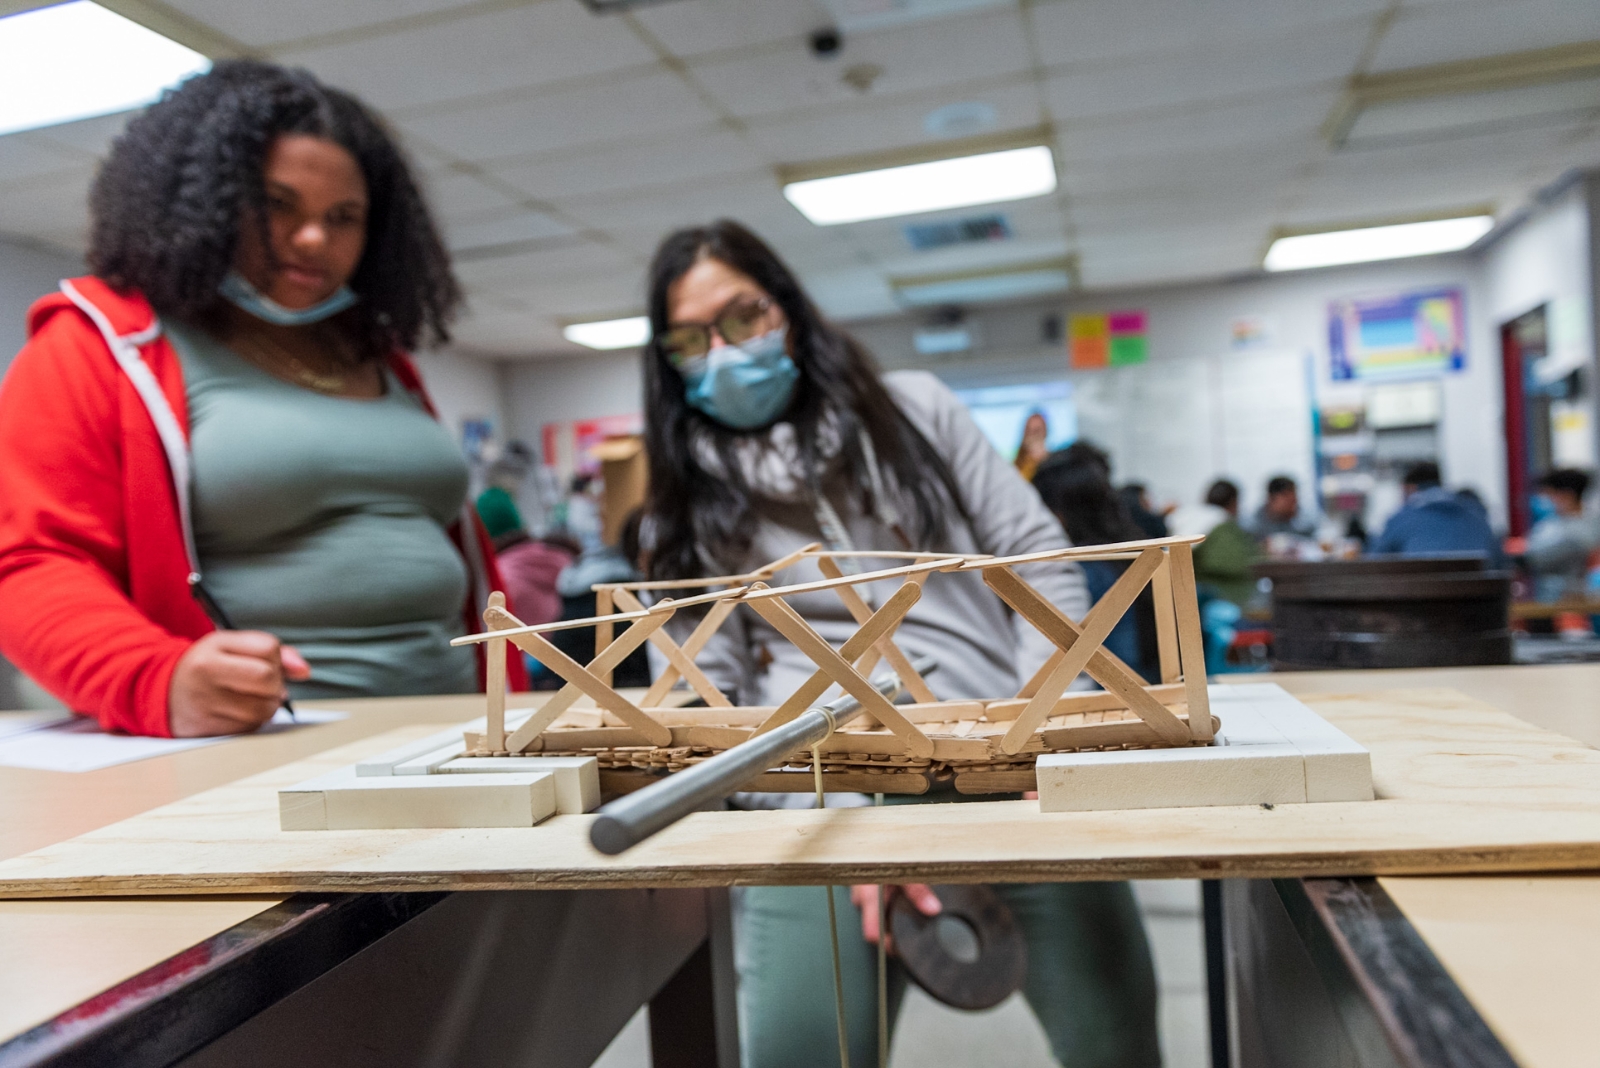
(1338,768)
(428,763)
(1171,778)
(577,778)
(385,763)
(418,801)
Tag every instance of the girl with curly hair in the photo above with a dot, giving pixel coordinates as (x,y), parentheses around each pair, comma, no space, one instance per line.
(220,428)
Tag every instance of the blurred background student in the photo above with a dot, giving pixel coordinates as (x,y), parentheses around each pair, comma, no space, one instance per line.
(1433,520)
(1563,538)
(1034,446)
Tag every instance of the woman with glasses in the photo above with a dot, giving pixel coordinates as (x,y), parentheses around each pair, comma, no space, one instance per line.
(221,478)
(769,428)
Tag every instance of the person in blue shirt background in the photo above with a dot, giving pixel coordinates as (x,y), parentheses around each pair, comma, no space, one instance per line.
(1436,520)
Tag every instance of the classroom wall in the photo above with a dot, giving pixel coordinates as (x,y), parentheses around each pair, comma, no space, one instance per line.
(561,389)
(1200,408)
(27,273)
(1547,260)
(464,387)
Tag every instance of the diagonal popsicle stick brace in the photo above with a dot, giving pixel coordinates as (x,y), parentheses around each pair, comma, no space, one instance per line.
(885,646)
(1191,642)
(1104,668)
(581,679)
(837,667)
(680,660)
(707,627)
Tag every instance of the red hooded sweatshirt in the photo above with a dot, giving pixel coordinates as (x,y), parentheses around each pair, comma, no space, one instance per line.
(96,548)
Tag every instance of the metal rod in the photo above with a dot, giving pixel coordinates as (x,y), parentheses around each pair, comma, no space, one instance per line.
(634,817)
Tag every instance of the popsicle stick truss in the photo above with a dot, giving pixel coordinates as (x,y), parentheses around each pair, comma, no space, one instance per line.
(987,745)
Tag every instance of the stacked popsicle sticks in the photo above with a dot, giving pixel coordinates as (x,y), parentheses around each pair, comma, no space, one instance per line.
(985,745)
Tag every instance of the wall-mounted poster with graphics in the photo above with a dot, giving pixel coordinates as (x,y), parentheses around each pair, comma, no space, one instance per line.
(1404,336)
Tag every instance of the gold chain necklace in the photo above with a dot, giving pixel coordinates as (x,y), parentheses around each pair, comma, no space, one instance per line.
(279,358)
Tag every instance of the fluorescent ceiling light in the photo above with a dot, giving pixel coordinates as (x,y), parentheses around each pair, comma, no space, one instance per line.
(921,187)
(1376,243)
(78,60)
(628,333)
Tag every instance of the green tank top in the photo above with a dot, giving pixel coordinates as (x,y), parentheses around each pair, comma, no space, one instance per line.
(322,520)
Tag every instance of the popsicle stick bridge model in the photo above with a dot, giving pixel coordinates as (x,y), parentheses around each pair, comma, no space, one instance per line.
(1129,744)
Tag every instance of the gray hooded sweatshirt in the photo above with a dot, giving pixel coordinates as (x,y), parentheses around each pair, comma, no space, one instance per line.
(983,649)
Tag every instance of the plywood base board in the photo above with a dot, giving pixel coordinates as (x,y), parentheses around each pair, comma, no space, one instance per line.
(1461,787)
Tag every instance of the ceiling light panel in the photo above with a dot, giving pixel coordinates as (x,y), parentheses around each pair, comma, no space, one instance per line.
(78,60)
(986,288)
(987,178)
(1371,243)
(630,333)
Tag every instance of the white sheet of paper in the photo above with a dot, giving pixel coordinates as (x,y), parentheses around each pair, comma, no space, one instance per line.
(78,743)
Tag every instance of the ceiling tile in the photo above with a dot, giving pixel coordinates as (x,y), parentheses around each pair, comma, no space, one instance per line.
(873,125)
(916,57)
(1073,31)
(1439,33)
(1287,120)
(1293,62)
(55,204)
(561,118)
(263,24)
(494,228)
(637,163)
(752,198)
(852,293)
(452,194)
(91,137)
(694,27)
(508,49)
(24,156)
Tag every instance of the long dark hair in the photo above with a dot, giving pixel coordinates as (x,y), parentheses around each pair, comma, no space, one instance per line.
(695,514)
(1074,484)
(185,175)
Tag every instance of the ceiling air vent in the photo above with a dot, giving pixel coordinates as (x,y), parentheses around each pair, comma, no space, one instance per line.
(973,230)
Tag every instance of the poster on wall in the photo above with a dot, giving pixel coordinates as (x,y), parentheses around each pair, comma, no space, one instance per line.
(1405,336)
(1108,339)
(569,447)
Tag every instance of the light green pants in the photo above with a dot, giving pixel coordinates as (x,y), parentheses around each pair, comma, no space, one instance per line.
(1090,980)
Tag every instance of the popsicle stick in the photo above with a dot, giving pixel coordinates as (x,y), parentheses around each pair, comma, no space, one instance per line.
(1103,667)
(589,682)
(603,631)
(835,666)
(766,571)
(885,647)
(1096,627)
(702,634)
(494,734)
(1191,642)
(1166,620)
(681,664)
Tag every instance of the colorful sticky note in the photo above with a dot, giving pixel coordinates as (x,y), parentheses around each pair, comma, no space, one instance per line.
(1088,342)
(1127,349)
(1126,322)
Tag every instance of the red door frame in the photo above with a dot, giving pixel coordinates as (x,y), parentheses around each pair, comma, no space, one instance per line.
(1516,432)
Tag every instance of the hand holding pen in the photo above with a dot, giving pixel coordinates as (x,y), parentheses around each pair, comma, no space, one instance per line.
(230,681)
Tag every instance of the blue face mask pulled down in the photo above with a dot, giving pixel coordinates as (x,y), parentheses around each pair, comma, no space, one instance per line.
(1542,507)
(241,294)
(743,386)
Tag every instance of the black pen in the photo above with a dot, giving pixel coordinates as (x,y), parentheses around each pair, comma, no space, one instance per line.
(220,618)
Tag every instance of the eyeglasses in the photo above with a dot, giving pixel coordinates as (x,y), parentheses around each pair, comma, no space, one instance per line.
(740,321)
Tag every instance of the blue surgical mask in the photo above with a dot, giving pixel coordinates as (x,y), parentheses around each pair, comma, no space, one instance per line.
(1542,507)
(238,291)
(743,386)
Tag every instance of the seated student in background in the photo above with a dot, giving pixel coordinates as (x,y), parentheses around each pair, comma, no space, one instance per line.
(1436,520)
(1136,499)
(1221,562)
(266,432)
(528,565)
(1281,513)
(1076,489)
(1562,537)
(767,428)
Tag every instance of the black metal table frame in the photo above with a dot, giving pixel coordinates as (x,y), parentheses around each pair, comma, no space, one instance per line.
(167,1012)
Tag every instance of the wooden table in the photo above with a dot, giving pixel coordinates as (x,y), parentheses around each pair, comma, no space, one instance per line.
(334,978)
(1504,940)
(1517,951)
